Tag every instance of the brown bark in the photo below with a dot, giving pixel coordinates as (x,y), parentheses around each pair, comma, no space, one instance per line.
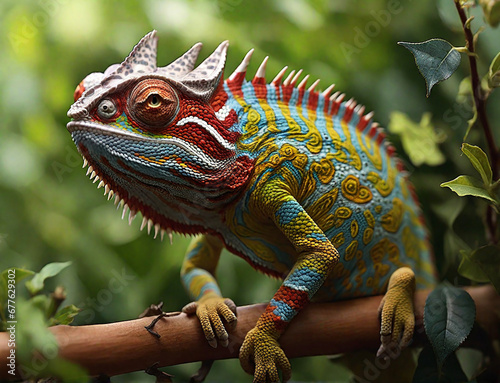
(321,329)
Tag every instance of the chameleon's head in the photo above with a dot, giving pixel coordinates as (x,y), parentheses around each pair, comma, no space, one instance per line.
(157,137)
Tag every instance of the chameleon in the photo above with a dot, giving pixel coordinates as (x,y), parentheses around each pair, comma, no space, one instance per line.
(302,184)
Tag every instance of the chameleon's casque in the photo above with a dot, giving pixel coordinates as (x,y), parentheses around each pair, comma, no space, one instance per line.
(300,183)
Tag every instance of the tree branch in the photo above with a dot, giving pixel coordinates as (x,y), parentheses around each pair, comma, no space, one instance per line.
(321,329)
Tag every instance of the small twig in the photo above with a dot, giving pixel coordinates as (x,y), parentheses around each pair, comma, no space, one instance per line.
(152,310)
(156,310)
(480,103)
(150,326)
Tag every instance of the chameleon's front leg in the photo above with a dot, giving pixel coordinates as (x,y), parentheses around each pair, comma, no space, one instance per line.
(261,354)
(198,276)
(396,311)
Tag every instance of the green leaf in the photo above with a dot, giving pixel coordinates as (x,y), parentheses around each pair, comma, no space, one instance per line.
(467,185)
(487,258)
(479,160)
(32,335)
(420,141)
(494,72)
(449,315)
(36,284)
(42,302)
(436,60)
(470,269)
(491,9)
(65,315)
(32,330)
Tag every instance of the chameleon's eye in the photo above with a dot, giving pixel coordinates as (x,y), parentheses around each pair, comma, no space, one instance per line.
(153,103)
(106,108)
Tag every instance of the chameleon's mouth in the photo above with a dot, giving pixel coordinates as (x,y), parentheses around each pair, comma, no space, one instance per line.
(103,129)
(95,128)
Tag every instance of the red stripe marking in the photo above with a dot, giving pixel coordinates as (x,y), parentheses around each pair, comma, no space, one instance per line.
(294,298)
(260,89)
(348,113)
(335,108)
(312,102)
(287,93)
(235,84)
(362,124)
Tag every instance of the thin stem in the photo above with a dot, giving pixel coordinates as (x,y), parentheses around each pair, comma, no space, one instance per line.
(480,102)
(479,99)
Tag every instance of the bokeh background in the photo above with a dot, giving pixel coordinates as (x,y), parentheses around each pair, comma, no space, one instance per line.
(51,212)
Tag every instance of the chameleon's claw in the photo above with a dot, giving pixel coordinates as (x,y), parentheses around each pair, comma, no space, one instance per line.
(262,357)
(396,311)
(210,311)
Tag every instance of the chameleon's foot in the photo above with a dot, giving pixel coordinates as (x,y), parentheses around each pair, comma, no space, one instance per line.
(210,311)
(396,311)
(262,357)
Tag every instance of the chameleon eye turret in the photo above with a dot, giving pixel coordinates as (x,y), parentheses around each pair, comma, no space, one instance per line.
(106,109)
(153,103)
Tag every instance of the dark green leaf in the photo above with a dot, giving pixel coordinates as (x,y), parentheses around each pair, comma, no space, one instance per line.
(467,185)
(36,284)
(479,160)
(449,315)
(452,370)
(436,60)
(428,371)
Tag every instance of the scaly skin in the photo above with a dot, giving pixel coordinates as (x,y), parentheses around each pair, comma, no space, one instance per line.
(301,184)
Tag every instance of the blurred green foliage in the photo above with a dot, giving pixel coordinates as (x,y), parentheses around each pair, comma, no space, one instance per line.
(51,212)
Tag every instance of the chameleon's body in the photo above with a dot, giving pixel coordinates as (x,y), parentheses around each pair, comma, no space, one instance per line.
(299,183)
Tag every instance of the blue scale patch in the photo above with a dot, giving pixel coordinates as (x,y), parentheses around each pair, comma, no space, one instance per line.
(288,211)
(282,310)
(304,280)
(318,237)
(187,278)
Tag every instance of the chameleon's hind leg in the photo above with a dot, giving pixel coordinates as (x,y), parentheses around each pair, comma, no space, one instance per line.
(396,311)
